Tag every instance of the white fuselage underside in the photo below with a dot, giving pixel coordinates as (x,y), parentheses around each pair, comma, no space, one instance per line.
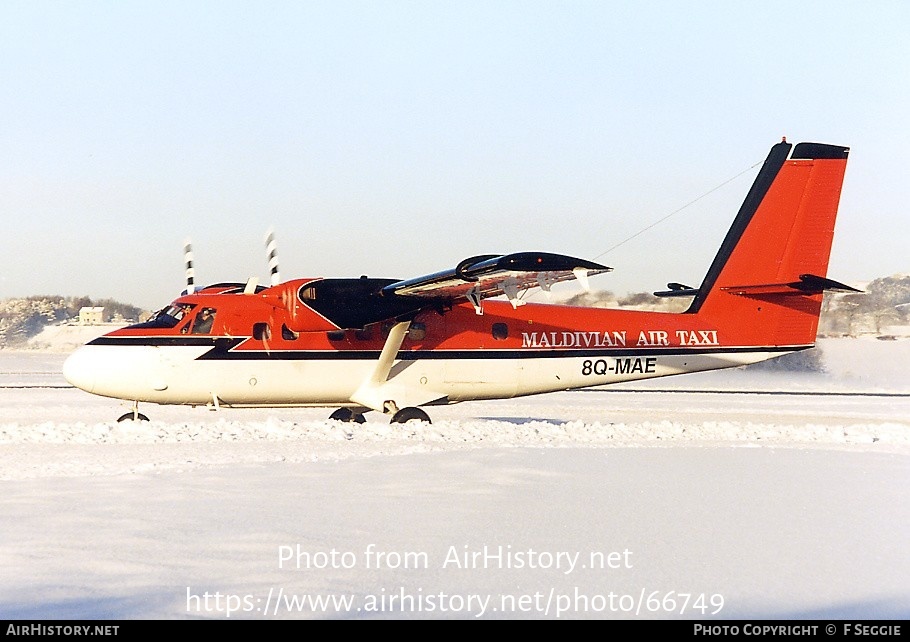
(175,375)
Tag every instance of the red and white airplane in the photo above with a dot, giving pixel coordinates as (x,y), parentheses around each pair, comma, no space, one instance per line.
(396,346)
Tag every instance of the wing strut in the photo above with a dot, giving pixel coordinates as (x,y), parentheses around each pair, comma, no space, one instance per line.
(383,390)
(370,392)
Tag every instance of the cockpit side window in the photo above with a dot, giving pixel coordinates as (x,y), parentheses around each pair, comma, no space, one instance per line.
(202,323)
(168,317)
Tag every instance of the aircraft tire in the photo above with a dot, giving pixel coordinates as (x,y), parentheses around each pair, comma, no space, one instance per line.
(132,416)
(410,414)
(348,416)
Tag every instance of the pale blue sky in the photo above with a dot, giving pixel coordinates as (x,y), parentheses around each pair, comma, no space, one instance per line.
(396,138)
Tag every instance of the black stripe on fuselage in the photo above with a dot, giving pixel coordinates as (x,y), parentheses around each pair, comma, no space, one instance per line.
(222,349)
(225,343)
(463,355)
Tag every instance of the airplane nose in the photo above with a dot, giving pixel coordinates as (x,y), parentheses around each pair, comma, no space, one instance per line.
(79,370)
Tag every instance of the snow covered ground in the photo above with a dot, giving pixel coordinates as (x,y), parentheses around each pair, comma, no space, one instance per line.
(736,494)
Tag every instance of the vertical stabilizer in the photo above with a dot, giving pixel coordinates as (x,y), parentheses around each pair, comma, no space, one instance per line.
(773,263)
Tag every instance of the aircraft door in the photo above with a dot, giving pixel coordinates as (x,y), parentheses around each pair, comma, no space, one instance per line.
(160,374)
(486,369)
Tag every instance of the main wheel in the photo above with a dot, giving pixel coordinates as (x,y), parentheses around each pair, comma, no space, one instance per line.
(132,416)
(348,416)
(410,414)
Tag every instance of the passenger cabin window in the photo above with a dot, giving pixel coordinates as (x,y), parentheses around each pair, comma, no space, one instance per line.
(262,332)
(335,335)
(417,331)
(287,334)
(364,334)
(500,331)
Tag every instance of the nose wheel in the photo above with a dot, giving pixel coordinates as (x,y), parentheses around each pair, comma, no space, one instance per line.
(134,415)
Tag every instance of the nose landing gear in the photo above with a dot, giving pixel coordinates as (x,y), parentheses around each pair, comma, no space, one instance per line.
(134,415)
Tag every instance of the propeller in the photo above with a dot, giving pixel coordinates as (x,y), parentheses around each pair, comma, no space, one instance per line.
(272,251)
(251,285)
(189,269)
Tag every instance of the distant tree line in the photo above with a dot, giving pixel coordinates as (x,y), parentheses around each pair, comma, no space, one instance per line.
(882,303)
(23,318)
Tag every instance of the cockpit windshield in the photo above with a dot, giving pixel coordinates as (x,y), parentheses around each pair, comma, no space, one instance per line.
(167,317)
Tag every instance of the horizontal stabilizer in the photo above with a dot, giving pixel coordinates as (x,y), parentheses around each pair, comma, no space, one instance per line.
(807,284)
(677,289)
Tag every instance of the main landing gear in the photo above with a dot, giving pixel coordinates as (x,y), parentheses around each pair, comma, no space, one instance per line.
(410,414)
(399,417)
(348,416)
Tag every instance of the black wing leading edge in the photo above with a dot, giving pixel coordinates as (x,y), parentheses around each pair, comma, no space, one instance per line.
(491,275)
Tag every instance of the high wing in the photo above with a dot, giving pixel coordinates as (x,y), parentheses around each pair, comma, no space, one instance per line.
(491,275)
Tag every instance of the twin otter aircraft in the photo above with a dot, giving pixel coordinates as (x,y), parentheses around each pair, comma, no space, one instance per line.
(395,346)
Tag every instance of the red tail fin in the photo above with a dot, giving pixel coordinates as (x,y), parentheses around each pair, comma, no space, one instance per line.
(773,263)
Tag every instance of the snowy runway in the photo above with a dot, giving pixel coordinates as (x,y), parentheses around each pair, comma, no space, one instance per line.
(733,504)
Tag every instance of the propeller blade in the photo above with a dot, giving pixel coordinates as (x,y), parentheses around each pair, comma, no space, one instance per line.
(272,251)
(189,269)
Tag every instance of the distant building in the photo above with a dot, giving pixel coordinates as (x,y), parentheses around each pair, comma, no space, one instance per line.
(91,315)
